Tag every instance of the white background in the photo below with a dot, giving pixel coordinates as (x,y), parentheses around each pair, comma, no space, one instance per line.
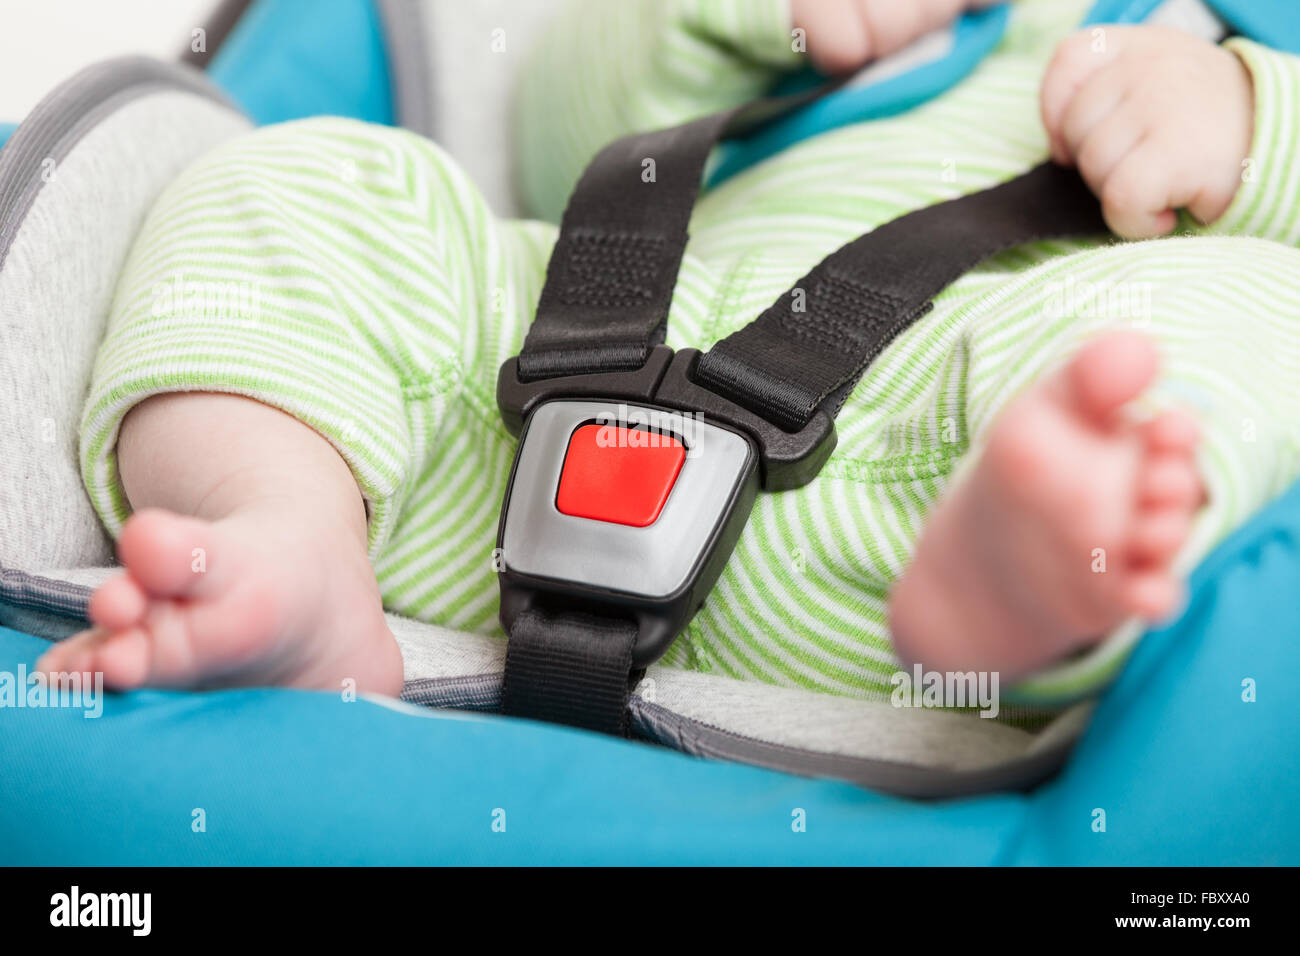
(45,41)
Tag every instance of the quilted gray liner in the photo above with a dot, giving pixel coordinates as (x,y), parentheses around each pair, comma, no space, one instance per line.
(21,591)
(697,714)
(658,724)
(61,119)
(76,179)
(408,64)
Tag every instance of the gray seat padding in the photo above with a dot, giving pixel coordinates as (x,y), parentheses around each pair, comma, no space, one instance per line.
(76,179)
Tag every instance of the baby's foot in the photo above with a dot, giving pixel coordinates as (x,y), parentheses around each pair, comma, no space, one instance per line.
(1066,527)
(272,594)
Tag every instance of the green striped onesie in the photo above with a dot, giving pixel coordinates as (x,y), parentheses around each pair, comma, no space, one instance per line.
(352,276)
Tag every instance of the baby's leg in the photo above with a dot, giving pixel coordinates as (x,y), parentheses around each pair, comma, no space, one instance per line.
(306,321)
(245,558)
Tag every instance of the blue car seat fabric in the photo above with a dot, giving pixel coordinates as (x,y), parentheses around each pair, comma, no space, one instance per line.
(1192,758)
(287,777)
(1194,753)
(286,60)
(1272,22)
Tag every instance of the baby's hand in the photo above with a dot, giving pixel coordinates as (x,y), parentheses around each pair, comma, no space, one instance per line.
(1155,120)
(844,35)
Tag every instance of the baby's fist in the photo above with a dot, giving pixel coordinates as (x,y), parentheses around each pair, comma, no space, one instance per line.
(845,35)
(1155,120)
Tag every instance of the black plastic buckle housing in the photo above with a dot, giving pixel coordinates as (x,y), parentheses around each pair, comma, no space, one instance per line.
(544,581)
(786,459)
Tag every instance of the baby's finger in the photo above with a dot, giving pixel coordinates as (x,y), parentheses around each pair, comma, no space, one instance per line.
(836,32)
(1100,96)
(1076,59)
(1139,198)
(1106,146)
(891,25)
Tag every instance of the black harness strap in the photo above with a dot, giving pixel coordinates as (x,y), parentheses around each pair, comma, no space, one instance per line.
(812,345)
(570,668)
(612,271)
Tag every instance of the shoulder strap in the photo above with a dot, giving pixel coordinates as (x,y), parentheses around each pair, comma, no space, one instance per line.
(614,265)
(609,284)
(808,350)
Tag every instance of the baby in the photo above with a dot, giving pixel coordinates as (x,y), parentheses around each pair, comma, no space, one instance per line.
(277,477)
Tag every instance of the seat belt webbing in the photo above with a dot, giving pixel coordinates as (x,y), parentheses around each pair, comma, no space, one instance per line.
(810,347)
(610,280)
(570,668)
(613,268)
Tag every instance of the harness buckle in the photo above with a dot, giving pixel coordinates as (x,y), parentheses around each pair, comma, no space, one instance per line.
(630,489)
(622,509)
(787,459)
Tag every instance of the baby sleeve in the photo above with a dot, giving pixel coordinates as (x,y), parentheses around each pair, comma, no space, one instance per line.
(604,70)
(1267,204)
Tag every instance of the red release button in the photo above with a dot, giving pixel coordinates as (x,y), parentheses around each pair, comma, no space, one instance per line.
(616,474)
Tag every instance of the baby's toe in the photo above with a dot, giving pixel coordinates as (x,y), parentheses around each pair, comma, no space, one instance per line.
(53,659)
(1153,595)
(117,604)
(1108,373)
(166,554)
(1158,535)
(1173,432)
(70,654)
(1170,480)
(123,658)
